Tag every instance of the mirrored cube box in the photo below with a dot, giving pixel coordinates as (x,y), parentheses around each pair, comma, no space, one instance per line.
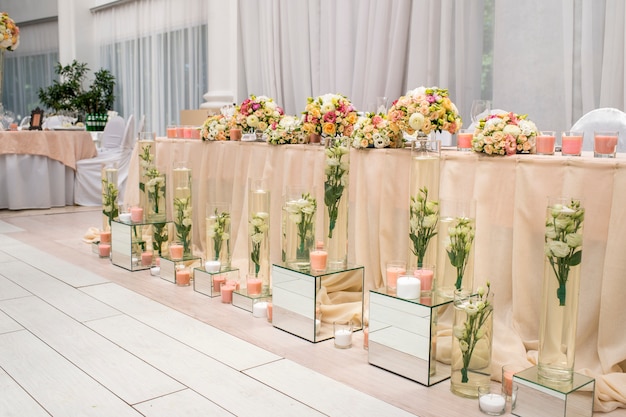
(306,303)
(169,267)
(132,244)
(403,335)
(537,397)
(208,282)
(243,299)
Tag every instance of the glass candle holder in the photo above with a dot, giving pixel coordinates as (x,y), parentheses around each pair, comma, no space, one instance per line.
(491,402)
(393,270)
(605,144)
(544,142)
(343,334)
(571,143)
(464,140)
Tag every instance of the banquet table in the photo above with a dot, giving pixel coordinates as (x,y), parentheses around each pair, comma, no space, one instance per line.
(511,195)
(37,167)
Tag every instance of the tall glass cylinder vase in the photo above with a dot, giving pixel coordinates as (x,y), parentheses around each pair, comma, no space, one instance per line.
(155,192)
(298,224)
(336,201)
(218,234)
(258,231)
(455,247)
(561,282)
(472,342)
(146,145)
(424,201)
(110,192)
(183,208)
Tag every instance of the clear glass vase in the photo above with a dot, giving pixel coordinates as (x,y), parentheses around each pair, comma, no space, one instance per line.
(146,153)
(183,208)
(110,192)
(561,282)
(336,202)
(258,231)
(298,224)
(218,234)
(472,342)
(424,200)
(455,247)
(155,188)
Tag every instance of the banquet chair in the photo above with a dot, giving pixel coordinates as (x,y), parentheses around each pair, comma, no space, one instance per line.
(88,181)
(113,134)
(602,119)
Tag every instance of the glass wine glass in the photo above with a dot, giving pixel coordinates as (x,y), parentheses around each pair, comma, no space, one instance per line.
(480,109)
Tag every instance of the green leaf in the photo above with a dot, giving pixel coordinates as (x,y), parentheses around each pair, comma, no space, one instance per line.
(576,258)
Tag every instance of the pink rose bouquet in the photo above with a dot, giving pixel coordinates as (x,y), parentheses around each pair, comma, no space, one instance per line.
(257,113)
(329,115)
(373,131)
(504,134)
(9,33)
(215,128)
(424,110)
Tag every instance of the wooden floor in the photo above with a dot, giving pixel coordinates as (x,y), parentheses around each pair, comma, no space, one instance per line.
(82,337)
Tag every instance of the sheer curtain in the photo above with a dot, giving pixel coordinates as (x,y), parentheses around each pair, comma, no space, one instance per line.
(360,48)
(30,67)
(157,51)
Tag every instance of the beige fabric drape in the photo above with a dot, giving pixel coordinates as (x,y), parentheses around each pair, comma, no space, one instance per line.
(511,194)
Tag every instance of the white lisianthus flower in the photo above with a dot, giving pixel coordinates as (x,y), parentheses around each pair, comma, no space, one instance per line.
(574,240)
(512,130)
(416,121)
(252,120)
(558,248)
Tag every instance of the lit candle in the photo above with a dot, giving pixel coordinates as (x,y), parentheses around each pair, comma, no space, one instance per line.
(259,309)
(105,237)
(125,217)
(136,214)
(408,288)
(183,277)
(254,286)
(212,266)
(492,403)
(104,249)
(218,280)
(176,251)
(146,258)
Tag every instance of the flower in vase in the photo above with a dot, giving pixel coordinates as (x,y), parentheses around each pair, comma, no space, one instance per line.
(9,33)
(218,231)
(459,245)
(372,131)
(155,187)
(504,134)
(336,173)
(257,229)
(182,221)
(302,212)
(215,127)
(472,330)
(256,113)
(424,110)
(109,200)
(330,115)
(563,242)
(423,221)
(159,237)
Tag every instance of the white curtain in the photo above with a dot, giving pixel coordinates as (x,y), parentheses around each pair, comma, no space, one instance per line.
(30,67)
(360,48)
(157,51)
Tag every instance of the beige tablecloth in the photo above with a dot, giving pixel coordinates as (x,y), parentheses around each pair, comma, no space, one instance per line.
(511,194)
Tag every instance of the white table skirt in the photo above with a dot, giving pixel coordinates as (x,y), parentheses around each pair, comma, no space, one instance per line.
(33,181)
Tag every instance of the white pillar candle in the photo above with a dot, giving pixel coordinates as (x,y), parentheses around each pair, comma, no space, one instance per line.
(259,309)
(212,266)
(492,403)
(408,288)
(343,338)
(125,217)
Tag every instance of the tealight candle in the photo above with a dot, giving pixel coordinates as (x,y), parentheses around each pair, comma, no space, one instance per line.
(125,217)
(176,251)
(136,214)
(343,334)
(490,403)
(212,266)
(408,288)
(259,309)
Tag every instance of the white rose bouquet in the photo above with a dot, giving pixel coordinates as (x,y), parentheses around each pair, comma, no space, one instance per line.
(504,134)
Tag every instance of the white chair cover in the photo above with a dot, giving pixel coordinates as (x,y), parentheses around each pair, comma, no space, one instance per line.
(603,119)
(88,182)
(113,133)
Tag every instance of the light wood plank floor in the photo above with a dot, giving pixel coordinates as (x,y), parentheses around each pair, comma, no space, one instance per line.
(82,337)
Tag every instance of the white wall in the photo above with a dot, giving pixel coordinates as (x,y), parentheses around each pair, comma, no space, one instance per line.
(26,10)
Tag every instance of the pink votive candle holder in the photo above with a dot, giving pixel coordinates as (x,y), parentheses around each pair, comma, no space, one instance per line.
(254,285)
(226,291)
(183,277)
(464,140)
(571,143)
(425,274)
(605,144)
(146,258)
(104,249)
(393,271)
(136,214)
(544,142)
(171,132)
(176,251)
(105,236)
(218,280)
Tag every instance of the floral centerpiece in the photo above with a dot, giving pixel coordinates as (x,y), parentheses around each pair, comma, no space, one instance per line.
(9,33)
(373,131)
(257,113)
(504,134)
(424,110)
(216,127)
(287,131)
(329,115)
